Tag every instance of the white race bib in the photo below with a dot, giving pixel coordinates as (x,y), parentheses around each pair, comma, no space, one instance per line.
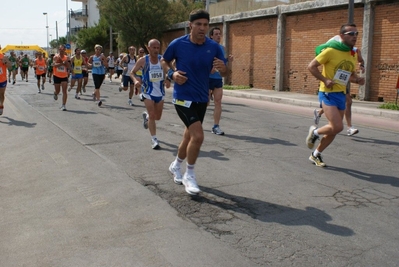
(78,68)
(156,75)
(61,69)
(342,77)
(183,103)
(97,64)
(41,68)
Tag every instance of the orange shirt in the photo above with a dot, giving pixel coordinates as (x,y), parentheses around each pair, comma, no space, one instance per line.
(61,71)
(3,69)
(40,66)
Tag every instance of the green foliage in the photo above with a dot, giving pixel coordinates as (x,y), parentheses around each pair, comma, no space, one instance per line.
(236,87)
(136,21)
(388,105)
(88,38)
(179,10)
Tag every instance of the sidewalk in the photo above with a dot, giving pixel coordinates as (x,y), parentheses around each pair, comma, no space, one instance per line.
(361,107)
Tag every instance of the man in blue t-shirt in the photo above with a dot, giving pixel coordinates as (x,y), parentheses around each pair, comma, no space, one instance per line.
(194,56)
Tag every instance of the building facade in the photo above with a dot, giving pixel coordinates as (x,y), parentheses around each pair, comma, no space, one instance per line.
(86,17)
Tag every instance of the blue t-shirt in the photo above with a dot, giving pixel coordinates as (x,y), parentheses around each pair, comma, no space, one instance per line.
(98,67)
(197,61)
(217,75)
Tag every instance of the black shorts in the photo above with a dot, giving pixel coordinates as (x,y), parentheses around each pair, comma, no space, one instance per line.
(85,74)
(58,80)
(40,75)
(98,80)
(196,112)
(24,69)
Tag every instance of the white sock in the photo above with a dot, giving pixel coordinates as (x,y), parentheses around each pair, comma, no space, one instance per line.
(154,137)
(316,153)
(316,133)
(177,162)
(190,169)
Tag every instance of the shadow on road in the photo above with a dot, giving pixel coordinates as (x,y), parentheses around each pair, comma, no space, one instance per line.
(259,140)
(375,141)
(273,213)
(370,177)
(12,122)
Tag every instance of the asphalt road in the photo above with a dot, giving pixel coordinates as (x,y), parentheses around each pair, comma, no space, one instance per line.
(84,188)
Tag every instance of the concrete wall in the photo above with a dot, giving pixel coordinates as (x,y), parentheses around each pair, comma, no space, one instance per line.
(272,47)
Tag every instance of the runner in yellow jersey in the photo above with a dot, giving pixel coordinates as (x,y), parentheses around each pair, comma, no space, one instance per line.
(78,63)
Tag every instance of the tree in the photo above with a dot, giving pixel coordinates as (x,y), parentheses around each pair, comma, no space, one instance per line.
(89,37)
(137,21)
(179,10)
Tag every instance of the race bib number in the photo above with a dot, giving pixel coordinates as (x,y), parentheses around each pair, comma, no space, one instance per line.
(183,103)
(41,68)
(97,64)
(77,68)
(61,69)
(156,75)
(342,77)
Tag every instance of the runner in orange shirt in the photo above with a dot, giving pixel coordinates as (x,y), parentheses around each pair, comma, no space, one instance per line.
(40,70)
(4,64)
(60,74)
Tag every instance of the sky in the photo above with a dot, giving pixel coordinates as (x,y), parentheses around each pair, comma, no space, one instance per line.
(24,23)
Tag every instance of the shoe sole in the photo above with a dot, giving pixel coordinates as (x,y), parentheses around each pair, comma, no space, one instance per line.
(315,162)
(356,132)
(217,133)
(157,147)
(174,180)
(309,144)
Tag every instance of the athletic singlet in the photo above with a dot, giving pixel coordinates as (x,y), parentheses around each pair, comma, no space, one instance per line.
(61,71)
(50,65)
(77,65)
(84,66)
(3,69)
(130,65)
(98,67)
(111,62)
(25,62)
(14,63)
(40,66)
(153,77)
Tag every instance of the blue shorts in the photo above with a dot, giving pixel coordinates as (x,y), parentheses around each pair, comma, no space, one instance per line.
(215,83)
(77,76)
(3,84)
(127,80)
(336,99)
(156,99)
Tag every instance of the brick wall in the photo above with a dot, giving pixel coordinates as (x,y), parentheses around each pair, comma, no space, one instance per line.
(385,56)
(253,44)
(303,33)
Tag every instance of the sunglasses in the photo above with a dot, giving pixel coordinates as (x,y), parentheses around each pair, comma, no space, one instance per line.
(352,33)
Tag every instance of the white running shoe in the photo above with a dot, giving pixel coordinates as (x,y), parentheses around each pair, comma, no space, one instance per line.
(145,120)
(121,87)
(69,89)
(217,130)
(77,96)
(63,108)
(130,102)
(177,177)
(155,144)
(352,131)
(311,138)
(55,96)
(316,117)
(190,184)
(39,91)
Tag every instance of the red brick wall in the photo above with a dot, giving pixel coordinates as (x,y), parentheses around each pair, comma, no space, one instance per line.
(253,44)
(303,33)
(169,37)
(385,56)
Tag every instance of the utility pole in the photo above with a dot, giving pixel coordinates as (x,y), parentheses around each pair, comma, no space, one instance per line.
(56,33)
(351,11)
(110,39)
(207,5)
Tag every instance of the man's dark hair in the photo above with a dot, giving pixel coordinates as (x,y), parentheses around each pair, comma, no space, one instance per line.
(213,29)
(198,14)
(343,27)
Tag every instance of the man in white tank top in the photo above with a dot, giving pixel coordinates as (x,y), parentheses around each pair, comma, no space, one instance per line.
(127,63)
(111,66)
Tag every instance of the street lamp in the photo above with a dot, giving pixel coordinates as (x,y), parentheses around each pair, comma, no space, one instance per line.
(45,13)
